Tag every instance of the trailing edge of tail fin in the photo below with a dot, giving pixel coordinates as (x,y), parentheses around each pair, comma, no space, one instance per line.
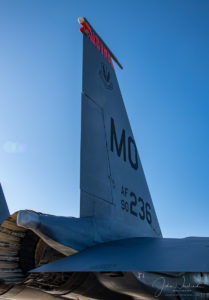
(112,181)
(4,211)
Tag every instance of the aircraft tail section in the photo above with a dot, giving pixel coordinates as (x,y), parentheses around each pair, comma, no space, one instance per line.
(4,211)
(112,182)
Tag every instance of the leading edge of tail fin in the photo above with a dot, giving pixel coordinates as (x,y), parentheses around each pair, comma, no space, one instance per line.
(112,180)
(4,211)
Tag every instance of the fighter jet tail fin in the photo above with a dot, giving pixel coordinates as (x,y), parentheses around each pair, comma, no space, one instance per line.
(112,181)
(4,211)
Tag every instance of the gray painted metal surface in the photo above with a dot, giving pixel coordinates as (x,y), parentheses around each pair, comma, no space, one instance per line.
(144,254)
(65,234)
(112,180)
(4,211)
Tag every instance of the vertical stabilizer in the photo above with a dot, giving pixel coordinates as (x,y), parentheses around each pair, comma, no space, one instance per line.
(4,211)
(112,183)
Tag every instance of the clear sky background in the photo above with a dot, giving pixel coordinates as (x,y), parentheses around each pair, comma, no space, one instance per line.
(164,48)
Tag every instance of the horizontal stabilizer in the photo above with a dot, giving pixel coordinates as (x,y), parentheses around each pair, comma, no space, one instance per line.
(138,254)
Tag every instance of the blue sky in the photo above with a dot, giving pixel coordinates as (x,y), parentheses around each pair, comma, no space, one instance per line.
(163,46)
